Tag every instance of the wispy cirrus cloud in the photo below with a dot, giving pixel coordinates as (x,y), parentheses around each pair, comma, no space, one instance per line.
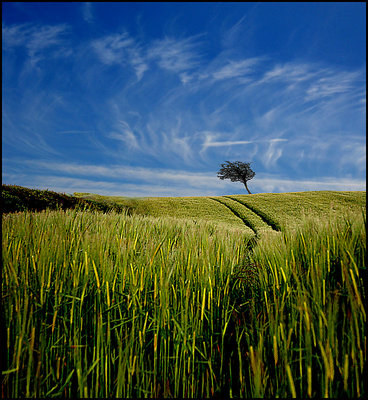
(126,172)
(266,119)
(333,84)
(181,103)
(277,185)
(170,54)
(289,72)
(211,143)
(315,81)
(225,143)
(125,134)
(113,49)
(269,149)
(36,39)
(175,55)
(235,69)
(15,35)
(120,49)
(87,12)
(273,153)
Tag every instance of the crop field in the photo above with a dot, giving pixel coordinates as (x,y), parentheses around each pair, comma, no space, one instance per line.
(229,296)
(278,210)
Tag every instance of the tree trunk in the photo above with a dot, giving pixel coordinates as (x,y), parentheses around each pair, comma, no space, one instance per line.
(245,184)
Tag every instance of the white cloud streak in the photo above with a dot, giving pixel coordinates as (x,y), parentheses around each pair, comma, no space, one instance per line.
(331,85)
(225,143)
(112,49)
(125,135)
(277,185)
(235,69)
(36,39)
(120,49)
(123,172)
(87,12)
(175,55)
(170,54)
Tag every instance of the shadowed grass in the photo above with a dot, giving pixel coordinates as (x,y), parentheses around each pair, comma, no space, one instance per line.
(17,198)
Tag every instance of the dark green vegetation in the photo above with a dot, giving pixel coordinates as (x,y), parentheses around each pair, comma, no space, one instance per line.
(117,305)
(17,198)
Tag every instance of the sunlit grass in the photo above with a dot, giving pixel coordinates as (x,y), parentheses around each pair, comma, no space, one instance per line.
(104,305)
(249,218)
(288,210)
(310,330)
(109,305)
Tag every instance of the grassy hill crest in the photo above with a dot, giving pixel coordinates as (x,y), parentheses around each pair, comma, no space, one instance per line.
(257,213)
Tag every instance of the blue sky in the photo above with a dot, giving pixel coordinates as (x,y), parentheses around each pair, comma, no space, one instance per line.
(148,99)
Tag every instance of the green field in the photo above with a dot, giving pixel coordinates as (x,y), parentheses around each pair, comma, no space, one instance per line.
(229,296)
(280,210)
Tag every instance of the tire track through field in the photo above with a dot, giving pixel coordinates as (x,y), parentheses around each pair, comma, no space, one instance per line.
(268,220)
(245,221)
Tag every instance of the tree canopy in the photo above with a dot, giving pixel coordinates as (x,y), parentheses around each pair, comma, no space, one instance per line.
(237,172)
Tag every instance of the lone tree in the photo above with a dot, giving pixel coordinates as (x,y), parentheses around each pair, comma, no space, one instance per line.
(236,172)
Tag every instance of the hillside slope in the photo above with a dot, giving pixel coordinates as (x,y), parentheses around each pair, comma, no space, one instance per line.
(257,212)
(289,210)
